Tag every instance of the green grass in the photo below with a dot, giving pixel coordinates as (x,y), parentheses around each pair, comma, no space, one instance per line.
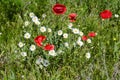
(71,64)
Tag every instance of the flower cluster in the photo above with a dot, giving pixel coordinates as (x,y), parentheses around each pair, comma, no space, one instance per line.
(39,39)
(34,18)
(49,46)
(90,35)
(59,9)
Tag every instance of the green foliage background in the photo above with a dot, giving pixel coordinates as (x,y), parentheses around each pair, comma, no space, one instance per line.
(104,63)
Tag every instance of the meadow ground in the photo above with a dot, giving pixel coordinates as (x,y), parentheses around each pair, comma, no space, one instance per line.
(73,57)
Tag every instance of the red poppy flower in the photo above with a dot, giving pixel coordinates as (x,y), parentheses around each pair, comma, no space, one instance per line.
(106,14)
(59,9)
(39,39)
(84,38)
(72,17)
(91,34)
(49,47)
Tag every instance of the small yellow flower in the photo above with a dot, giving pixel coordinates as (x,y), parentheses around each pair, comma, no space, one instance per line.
(114,39)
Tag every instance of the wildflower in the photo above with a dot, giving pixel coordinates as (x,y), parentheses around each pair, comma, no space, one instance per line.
(31,14)
(15,51)
(59,9)
(84,38)
(72,17)
(27,35)
(114,39)
(49,47)
(39,39)
(49,30)
(45,63)
(66,44)
(80,43)
(20,44)
(43,29)
(35,19)
(106,14)
(32,47)
(37,22)
(88,55)
(91,34)
(65,35)
(43,15)
(88,40)
(39,61)
(23,76)
(26,23)
(70,25)
(81,33)
(24,54)
(60,32)
(116,15)
(75,31)
(52,53)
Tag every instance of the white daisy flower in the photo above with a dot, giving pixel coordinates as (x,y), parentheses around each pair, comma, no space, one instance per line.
(42,29)
(66,44)
(81,33)
(52,53)
(26,23)
(80,43)
(35,19)
(20,44)
(87,55)
(75,31)
(24,54)
(27,35)
(31,14)
(49,30)
(89,41)
(70,25)
(65,35)
(43,15)
(45,63)
(15,51)
(116,15)
(60,32)
(23,76)
(37,22)
(39,61)
(32,47)
(96,34)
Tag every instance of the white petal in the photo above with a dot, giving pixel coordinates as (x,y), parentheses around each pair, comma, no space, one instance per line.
(89,41)
(88,55)
(65,35)
(52,53)
(60,32)
(23,54)
(32,47)
(43,29)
